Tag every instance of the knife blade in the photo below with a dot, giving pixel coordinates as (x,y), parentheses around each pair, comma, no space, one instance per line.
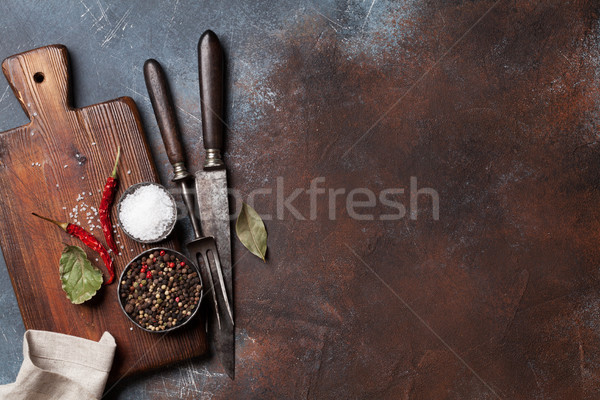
(211,189)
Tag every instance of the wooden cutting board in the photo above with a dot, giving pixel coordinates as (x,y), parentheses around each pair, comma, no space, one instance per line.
(58,162)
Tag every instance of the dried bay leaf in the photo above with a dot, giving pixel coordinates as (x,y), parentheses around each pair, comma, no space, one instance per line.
(251,231)
(80,279)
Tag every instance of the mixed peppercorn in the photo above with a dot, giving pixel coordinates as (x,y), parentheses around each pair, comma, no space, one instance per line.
(159,291)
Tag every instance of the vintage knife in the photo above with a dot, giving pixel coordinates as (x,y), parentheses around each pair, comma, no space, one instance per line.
(211,189)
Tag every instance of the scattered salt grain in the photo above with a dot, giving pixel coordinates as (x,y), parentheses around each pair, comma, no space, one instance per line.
(93,143)
(65,166)
(147,213)
(128,172)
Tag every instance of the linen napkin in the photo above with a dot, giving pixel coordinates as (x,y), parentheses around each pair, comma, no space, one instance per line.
(58,366)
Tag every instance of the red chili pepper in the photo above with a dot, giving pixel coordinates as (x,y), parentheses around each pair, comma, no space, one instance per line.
(89,240)
(108,197)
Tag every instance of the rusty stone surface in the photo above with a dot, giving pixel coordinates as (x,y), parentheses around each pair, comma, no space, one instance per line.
(492,104)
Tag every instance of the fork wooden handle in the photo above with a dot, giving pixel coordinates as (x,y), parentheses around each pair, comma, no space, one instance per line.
(164,110)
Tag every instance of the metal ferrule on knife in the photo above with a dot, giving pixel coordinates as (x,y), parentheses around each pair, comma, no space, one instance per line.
(213,159)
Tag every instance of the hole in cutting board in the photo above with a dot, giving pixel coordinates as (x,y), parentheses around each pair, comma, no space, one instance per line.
(38,77)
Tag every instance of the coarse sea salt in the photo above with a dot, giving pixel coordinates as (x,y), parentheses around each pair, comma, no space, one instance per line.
(147,213)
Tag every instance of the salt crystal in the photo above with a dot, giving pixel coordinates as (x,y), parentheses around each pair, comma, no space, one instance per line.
(90,193)
(65,166)
(129,172)
(57,185)
(147,213)
(32,164)
(83,177)
(93,143)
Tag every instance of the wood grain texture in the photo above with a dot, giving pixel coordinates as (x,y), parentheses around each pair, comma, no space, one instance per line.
(45,166)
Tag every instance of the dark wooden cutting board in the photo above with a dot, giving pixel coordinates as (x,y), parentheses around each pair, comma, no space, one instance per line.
(60,160)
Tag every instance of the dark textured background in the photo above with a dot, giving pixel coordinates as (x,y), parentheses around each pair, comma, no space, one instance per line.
(494,105)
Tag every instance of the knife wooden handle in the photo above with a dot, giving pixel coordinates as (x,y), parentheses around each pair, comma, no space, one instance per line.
(210,61)
(164,110)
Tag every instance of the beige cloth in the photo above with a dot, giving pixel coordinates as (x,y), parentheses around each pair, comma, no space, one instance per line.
(58,366)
